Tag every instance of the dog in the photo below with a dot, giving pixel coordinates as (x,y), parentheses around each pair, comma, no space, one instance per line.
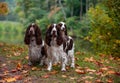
(37,49)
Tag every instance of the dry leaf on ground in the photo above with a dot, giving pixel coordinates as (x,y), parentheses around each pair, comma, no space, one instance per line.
(11,79)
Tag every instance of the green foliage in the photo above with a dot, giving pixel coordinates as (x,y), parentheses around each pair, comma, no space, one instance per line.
(104,29)
(11,32)
(43,23)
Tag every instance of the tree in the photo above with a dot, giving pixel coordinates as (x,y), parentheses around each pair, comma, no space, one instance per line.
(3,8)
(105,27)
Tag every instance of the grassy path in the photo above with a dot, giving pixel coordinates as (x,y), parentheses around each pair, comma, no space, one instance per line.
(89,68)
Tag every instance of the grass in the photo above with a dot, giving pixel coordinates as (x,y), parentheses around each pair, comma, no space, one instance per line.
(71,76)
(11,32)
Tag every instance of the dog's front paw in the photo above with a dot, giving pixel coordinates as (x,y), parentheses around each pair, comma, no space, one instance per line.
(41,64)
(49,69)
(72,66)
(63,69)
(29,63)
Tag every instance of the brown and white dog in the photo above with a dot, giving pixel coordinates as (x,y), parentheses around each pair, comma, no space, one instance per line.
(54,41)
(68,45)
(37,50)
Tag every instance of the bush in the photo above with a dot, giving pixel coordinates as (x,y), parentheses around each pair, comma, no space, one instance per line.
(104,31)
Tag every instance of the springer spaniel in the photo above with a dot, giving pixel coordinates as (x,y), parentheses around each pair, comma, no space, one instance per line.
(37,49)
(55,50)
(68,45)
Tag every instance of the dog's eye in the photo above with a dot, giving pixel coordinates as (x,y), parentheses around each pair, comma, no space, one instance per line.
(60,24)
(33,25)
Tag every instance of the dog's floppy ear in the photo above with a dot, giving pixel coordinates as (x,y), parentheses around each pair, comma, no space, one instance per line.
(48,35)
(66,30)
(59,36)
(38,35)
(27,36)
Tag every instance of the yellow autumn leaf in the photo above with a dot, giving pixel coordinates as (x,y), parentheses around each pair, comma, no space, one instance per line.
(3,8)
(34,68)
(10,79)
(19,66)
(64,76)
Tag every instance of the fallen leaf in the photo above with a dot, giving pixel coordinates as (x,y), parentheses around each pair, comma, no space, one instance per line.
(16,54)
(53,72)
(76,58)
(1,44)
(86,81)
(19,66)
(6,72)
(90,70)
(98,81)
(78,67)
(24,71)
(102,55)
(18,77)
(4,64)
(2,76)
(26,66)
(87,77)
(110,72)
(27,57)
(67,67)
(14,70)
(118,73)
(111,58)
(77,53)
(91,59)
(64,76)
(98,63)
(46,76)
(80,71)
(56,64)
(9,55)
(109,81)
(73,78)
(11,79)
(98,73)
(34,68)
(2,81)
(103,69)
(27,80)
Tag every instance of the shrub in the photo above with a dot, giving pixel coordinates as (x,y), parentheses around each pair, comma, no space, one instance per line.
(104,31)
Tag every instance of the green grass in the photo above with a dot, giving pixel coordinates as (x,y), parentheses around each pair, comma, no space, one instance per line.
(71,75)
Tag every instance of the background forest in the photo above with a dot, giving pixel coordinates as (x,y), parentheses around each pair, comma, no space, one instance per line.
(93,24)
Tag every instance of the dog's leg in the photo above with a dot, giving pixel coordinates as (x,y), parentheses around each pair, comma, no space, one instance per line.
(72,61)
(49,66)
(29,63)
(41,63)
(64,62)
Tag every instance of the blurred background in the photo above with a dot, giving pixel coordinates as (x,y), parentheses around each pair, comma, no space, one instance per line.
(94,24)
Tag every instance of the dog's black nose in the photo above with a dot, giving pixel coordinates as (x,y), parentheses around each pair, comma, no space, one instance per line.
(54,32)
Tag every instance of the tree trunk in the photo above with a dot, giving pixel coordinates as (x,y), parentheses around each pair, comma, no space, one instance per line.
(62,9)
(86,5)
(72,9)
(48,5)
(81,9)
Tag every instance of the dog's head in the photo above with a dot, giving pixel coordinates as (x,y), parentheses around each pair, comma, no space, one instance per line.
(33,31)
